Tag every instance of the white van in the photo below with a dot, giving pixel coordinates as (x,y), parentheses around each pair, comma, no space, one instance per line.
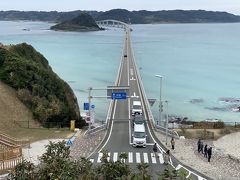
(139,135)
(136,108)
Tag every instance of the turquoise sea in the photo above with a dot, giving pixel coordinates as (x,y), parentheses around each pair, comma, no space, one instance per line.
(199,63)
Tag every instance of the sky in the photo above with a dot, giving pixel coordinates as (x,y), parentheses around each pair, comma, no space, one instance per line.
(231,6)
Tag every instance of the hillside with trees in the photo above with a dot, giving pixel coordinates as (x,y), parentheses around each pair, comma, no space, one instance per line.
(134,17)
(83,22)
(49,98)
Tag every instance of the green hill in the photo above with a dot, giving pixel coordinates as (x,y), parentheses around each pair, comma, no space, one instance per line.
(135,17)
(83,22)
(48,97)
(172,16)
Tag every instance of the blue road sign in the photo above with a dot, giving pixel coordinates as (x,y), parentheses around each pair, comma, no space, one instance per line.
(86,106)
(119,95)
(92,106)
(69,142)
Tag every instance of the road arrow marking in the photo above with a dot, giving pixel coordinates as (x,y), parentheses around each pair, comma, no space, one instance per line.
(134,95)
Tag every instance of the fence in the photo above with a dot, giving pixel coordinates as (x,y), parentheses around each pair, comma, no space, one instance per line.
(49,125)
(15,152)
(20,142)
(9,164)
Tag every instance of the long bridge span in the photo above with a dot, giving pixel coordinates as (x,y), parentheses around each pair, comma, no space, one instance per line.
(119,124)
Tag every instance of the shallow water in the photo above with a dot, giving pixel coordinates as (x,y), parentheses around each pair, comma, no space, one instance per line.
(198,61)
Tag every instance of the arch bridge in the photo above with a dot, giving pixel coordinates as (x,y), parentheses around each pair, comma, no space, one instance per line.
(112,23)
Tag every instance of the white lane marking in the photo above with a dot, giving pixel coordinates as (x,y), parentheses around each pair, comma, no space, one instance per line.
(160,155)
(145,157)
(178,167)
(132,79)
(138,158)
(131,71)
(91,160)
(108,137)
(123,159)
(130,132)
(108,158)
(99,157)
(130,157)
(128,72)
(115,157)
(153,158)
(129,109)
(134,95)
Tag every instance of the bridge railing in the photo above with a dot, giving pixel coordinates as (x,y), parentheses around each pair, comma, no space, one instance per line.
(112,103)
(112,23)
(148,109)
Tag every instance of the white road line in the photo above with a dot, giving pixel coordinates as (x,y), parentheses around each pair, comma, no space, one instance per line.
(108,158)
(149,144)
(130,157)
(107,138)
(145,157)
(130,132)
(138,158)
(178,167)
(123,159)
(128,71)
(115,157)
(131,71)
(153,158)
(99,157)
(160,155)
(91,160)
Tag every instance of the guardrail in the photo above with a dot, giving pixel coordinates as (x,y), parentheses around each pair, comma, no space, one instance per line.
(109,113)
(147,106)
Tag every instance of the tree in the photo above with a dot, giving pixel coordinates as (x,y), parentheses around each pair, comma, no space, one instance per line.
(23,171)
(56,162)
(169,173)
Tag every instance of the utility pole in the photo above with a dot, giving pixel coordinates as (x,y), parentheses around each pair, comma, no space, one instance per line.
(166,121)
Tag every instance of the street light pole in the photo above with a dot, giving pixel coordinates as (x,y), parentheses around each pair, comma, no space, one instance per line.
(89,110)
(166,121)
(160,99)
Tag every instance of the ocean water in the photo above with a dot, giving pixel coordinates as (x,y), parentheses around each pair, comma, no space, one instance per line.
(197,61)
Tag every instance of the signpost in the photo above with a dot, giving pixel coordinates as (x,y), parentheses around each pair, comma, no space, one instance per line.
(86,106)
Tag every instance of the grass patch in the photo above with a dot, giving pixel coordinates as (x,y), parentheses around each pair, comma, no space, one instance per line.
(39,134)
(206,133)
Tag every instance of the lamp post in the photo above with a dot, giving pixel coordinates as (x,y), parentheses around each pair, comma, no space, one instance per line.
(160,99)
(166,121)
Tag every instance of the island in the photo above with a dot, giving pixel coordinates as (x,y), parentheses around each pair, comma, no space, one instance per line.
(83,22)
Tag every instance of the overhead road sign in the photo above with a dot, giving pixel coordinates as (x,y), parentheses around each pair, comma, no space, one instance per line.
(118,91)
(119,95)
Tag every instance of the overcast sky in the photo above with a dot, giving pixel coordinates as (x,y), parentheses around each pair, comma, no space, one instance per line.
(232,6)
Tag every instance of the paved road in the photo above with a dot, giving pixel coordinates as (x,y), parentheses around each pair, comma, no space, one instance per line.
(118,138)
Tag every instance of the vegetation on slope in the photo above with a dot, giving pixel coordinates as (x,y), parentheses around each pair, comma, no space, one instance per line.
(83,22)
(135,17)
(172,16)
(38,87)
